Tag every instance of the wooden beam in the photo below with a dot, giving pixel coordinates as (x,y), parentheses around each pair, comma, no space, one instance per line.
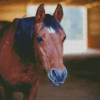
(91,5)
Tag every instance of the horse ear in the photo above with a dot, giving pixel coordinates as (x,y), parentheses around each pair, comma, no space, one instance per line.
(40,15)
(58,14)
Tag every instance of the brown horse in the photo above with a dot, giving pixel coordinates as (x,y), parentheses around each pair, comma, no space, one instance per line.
(27,46)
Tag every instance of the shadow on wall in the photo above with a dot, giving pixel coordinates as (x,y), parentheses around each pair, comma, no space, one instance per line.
(83,66)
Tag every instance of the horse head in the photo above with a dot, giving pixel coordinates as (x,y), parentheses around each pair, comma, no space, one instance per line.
(48,44)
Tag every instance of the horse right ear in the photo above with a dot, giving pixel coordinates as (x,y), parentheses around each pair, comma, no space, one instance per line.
(58,14)
(40,15)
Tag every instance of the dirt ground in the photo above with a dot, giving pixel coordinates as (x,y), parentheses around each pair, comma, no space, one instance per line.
(73,89)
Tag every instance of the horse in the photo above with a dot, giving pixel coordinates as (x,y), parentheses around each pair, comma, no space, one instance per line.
(27,47)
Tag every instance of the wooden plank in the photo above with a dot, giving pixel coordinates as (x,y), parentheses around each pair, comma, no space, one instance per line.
(11,11)
(11,16)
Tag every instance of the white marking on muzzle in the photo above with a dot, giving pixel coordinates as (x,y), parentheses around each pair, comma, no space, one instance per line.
(51,30)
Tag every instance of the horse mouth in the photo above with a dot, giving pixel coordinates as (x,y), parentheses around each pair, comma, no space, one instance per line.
(53,83)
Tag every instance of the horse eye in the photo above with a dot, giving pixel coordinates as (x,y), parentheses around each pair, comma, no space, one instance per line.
(39,38)
(64,38)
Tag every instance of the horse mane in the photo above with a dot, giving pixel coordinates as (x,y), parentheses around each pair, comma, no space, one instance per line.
(23,39)
(24,35)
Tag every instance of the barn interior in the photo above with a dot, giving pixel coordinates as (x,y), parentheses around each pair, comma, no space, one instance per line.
(81,53)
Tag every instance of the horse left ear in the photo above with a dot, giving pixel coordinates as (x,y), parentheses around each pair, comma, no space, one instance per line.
(58,14)
(40,15)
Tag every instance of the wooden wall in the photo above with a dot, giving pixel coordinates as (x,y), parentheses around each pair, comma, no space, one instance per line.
(9,11)
(94,27)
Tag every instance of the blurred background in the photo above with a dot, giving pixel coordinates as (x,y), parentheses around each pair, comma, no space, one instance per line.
(81,23)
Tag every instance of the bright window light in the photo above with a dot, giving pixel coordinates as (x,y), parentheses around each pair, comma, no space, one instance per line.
(74,23)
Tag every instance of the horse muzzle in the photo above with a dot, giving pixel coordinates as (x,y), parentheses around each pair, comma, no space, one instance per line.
(56,78)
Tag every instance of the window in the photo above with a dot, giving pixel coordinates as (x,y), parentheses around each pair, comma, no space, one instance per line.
(74,23)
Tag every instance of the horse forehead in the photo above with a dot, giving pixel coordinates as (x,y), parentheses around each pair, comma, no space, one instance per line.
(51,30)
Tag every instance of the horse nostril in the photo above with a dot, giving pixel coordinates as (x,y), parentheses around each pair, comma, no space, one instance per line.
(54,73)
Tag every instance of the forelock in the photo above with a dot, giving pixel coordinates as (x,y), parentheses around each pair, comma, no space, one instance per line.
(51,22)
